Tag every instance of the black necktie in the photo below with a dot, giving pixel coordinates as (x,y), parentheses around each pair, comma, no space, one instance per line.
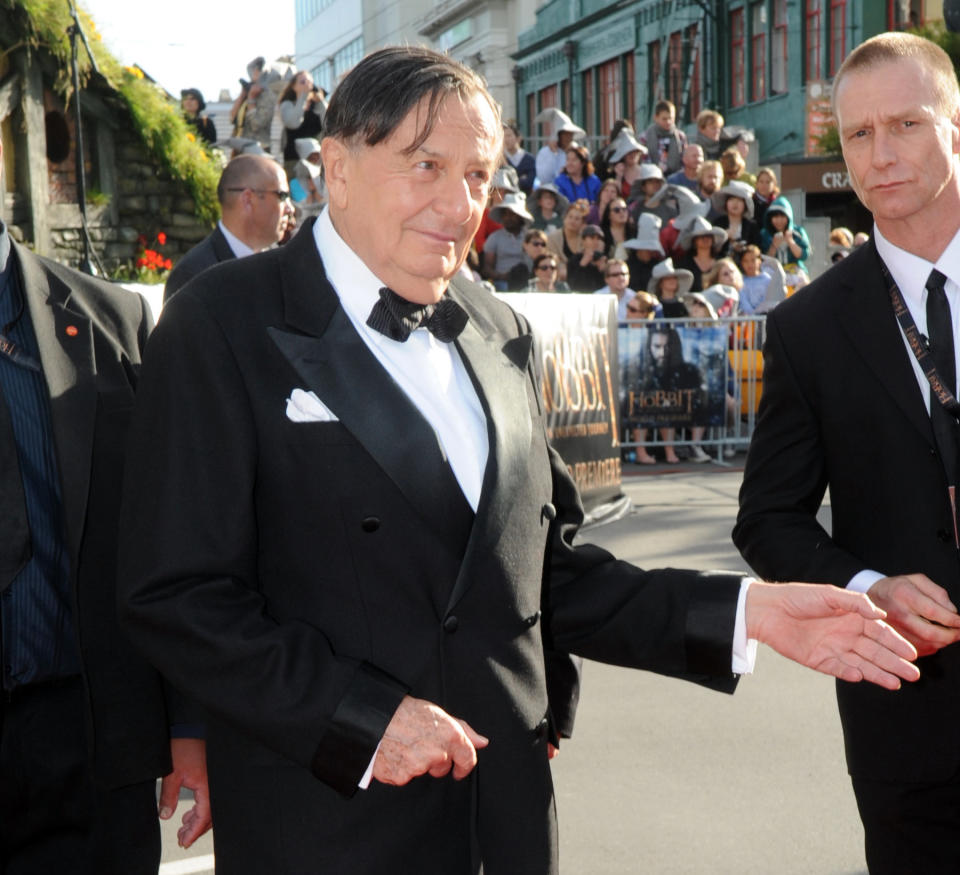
(15,545)
(396,317)
(940,339)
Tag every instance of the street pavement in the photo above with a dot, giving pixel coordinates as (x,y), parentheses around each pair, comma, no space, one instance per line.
(665,777)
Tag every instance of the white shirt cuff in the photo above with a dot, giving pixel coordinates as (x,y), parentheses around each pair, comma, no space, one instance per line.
(863,580)
(368,774)
(744,649)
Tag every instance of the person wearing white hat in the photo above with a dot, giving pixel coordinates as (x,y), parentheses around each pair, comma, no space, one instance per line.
(668,284)
(701,241)
(647,194)
(625,156)
(306,182)
(735,202)
(553,156)
(643,251)
(503,249)
(548,207)
(505,180)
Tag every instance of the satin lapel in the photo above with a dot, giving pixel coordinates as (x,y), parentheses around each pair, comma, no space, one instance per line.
(65,340)
(866,316)
(497,365)
(333,361)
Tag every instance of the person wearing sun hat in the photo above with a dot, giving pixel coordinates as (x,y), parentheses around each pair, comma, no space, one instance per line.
(193,104)
(553,156)
(735,202)
(503,250)
(548,207)
(668,284)
(643,251)
(701,241)
(306,182)
(626,155)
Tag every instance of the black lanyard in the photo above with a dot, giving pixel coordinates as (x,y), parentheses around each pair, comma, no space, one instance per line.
(920,346)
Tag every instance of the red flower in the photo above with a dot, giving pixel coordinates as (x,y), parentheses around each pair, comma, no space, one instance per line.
(167,264)
(141,262)
(161,238)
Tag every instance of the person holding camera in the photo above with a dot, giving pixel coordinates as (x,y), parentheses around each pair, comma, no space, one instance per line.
(586,273)
(302,108)
(252,111)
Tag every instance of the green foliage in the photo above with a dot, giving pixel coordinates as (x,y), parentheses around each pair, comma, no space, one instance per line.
(168,138)
(937,33)
(828,143)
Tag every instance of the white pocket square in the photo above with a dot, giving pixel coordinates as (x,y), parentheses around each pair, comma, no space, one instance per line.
(307,407)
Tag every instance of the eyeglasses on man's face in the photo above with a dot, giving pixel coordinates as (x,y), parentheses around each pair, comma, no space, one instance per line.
(279,193)
(547,267)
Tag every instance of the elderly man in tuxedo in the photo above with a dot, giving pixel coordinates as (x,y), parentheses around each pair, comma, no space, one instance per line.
(859,395)
(346,535)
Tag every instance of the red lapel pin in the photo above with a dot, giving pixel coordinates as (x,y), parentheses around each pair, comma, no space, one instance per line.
(72,331)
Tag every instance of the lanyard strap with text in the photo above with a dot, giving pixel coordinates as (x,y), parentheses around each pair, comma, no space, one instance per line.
(943,393)
(920,346)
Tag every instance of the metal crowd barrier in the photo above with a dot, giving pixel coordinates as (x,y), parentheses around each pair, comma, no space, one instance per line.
(745,336)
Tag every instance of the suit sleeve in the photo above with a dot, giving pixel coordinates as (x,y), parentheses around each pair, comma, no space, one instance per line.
(188,566)
(786,477)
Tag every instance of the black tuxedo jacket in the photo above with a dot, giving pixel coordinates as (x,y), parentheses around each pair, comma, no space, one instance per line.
(210,251)
(841,407)
(300,578)
(90,336)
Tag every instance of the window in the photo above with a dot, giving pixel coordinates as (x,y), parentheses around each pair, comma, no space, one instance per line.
(631,107)
(812,36)
(778,61)
(694,93)
(675,69)
(347,57)
(838,32)
(655,69)
(589,104)
(609,93)
(737,94)
(758,51)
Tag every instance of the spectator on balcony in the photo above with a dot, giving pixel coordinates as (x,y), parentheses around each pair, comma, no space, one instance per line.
(735,168)
(577,180)
(302,109)
(252,112)
(711,178)
(735,203)
(548,208)
(625,159)
(565,243)
(709,126)
(668,284)
(518,157)
(601,160)
(664,141)
(689,173)
(641,307)
(504,182)
(764,193)
(722,285)
(644,251)
(193,105)
(545,271)
(651,194)
(758,282)
(552,158)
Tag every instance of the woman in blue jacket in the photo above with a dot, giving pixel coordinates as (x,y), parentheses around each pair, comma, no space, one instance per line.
(578,181)
(783,240)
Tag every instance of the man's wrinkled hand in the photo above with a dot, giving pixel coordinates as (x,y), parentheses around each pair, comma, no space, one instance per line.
(190,771)
(422,739)
(831,630)
(918,609)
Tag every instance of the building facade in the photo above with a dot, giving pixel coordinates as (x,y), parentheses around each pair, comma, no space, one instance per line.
(328,39)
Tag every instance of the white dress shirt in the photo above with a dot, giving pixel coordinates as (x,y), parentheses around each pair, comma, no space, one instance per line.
(240,249)
(910,273)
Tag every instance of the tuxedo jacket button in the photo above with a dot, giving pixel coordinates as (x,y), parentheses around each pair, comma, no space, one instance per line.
(531,621)
(370,524)
(548,512)
(451,624)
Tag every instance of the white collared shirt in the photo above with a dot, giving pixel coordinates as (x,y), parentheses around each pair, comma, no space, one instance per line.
(430,373)
(240,249)
(910,273)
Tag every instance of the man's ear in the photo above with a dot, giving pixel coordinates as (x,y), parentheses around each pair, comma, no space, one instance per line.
(336,158)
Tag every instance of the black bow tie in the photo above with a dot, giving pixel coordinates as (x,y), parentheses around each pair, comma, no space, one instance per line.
(396,317)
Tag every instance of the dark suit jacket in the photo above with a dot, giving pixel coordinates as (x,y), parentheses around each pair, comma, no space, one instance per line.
(90,336)
(210,251)
(300,578)
(841,407)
